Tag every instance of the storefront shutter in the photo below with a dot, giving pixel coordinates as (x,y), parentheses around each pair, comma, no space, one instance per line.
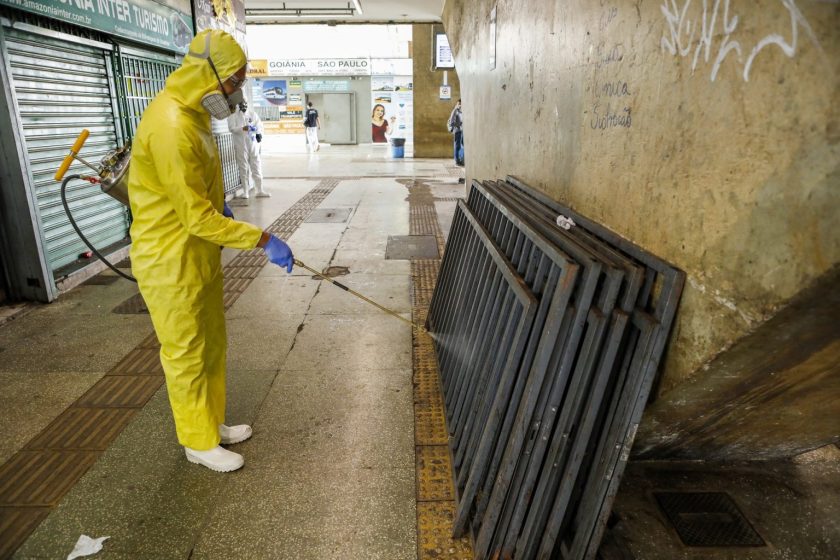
(62,87)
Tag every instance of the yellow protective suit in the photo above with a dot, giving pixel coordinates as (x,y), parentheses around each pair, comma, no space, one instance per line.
(177,195)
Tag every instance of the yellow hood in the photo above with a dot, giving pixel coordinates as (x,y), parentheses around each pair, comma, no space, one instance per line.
(195,78)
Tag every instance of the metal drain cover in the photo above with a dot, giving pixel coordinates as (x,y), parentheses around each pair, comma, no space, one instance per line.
(329,215)
(405,247)
(132,306)
(707,519)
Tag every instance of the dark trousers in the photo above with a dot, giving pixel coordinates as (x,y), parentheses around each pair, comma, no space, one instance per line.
(458,147)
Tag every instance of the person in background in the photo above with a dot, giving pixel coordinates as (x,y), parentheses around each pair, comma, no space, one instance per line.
(379,127)
(180,220)
(246,127)
(312,122)
(456,128)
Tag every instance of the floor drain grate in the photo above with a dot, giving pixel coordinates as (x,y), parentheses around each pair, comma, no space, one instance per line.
(707,519)
(406,247)
(329,216)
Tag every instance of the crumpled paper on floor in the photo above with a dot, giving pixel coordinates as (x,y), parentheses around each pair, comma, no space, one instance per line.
(86,546)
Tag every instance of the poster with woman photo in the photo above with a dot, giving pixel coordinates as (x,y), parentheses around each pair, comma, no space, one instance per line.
(392,110)
(381,124)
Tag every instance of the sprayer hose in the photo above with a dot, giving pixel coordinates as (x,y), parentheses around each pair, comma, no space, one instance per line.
(79,231)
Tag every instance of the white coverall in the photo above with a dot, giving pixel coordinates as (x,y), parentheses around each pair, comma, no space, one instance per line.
(247,148)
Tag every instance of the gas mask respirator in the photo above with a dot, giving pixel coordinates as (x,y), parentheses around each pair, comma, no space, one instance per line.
(219,105)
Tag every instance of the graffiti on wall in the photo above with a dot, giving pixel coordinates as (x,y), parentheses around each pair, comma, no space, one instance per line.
(611,94)
(712,37)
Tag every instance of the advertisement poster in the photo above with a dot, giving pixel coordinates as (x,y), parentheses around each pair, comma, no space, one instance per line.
(443,53)
(279,104)
(167,26)
(275,92)
(392,108)
(227,15)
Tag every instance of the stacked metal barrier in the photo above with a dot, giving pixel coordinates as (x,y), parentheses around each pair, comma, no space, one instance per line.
(548,343)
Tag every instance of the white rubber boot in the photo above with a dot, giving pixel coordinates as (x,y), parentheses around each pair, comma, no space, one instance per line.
(217,459)
(263,194)
(234,434)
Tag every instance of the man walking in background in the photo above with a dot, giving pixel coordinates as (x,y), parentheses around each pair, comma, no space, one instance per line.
(456,128)
(312,123)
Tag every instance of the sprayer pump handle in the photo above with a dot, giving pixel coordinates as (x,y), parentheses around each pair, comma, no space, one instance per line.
(68,160)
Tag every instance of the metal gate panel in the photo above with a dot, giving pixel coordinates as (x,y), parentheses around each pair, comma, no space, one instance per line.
(60,88)
(551,275)
(596,363)
(479,358)
(652,318)
(584,351)
(540,438)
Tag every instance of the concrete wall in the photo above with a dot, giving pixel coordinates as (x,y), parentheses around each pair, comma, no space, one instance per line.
(706,132)
(431,139)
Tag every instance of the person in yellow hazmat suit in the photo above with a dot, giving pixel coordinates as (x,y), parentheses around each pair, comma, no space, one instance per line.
(180,221)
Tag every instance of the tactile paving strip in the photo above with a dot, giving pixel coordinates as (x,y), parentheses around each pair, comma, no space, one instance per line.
(434,474)
(41,478)
(35,479)
(435,493)
(90,429)
(121,391)
(141,360)
(434,527)
(16,524)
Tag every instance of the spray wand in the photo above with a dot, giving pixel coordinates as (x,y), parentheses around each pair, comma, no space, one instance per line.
(360,296)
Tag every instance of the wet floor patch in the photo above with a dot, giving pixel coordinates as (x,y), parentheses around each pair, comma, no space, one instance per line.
(332,272)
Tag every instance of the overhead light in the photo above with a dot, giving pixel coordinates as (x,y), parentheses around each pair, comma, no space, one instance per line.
(275,14)
(282,11)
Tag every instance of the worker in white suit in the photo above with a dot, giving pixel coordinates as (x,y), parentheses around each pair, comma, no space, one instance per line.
(247,130)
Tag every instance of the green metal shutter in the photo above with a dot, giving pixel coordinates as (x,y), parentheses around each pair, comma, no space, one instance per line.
(62,87)
(141,76)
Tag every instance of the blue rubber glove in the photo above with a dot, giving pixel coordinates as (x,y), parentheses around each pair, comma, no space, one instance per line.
(227,212)
(279,253)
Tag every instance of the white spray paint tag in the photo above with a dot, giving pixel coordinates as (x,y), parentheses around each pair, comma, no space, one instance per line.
(565,223)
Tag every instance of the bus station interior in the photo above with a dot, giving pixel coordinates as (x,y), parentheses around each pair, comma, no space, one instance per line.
(704,137)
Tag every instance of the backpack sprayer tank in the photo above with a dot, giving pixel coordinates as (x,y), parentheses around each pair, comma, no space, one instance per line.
(112,172)
(111,176)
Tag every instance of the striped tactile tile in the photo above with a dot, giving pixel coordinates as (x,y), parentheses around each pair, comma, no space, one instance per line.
(434,483)
(35,479)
